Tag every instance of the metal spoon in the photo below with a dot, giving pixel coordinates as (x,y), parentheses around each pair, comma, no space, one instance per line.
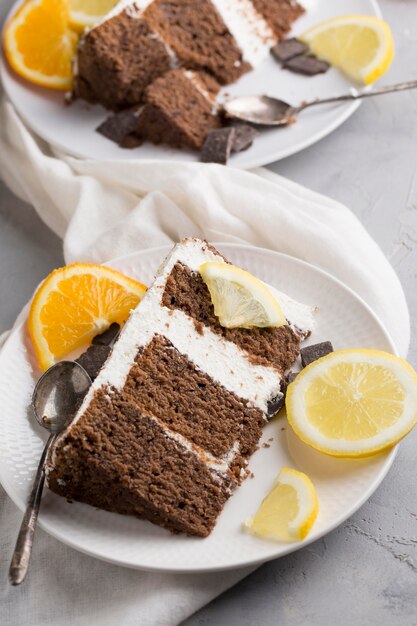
(268,111)
(56,397)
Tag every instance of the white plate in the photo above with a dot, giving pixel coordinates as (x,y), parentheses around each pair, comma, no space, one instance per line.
(342,485)
(72,129)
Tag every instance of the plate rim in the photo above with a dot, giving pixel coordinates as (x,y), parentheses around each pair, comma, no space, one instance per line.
(346,112)
(292,547)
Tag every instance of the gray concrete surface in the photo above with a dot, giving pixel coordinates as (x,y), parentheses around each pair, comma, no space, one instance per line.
(365,572)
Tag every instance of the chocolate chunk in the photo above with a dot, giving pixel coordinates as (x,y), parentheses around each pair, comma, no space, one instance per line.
(244,136)
(108,337)
(312,353)
(93,359)
(275,405)
(288,49)
(291,376)
(218,145)
(117,126)
(309,65)
(131,141)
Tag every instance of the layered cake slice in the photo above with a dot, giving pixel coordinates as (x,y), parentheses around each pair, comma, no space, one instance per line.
(141,39)
(180,109)
(169,424)
(118,59)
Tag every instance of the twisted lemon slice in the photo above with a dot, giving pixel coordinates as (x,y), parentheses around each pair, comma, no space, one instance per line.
(353,403)
(289,511)
(86,13)
(240,300)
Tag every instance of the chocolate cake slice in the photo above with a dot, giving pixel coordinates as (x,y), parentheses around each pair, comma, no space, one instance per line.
(140,40)
(117,59)
(180,109)
(167,429)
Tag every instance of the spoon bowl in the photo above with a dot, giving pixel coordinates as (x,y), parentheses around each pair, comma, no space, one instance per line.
(268,111)
(56,398)
(261,110)
(58,394)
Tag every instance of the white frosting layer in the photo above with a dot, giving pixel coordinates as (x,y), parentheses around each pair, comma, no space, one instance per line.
(222,360)
(251,32)
(216,464)
(300,316)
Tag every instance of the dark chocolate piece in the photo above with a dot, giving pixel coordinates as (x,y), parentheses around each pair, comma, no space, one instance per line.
(218,145)
(131,141)
(117,126)
(288,49)
(107,338)
(244,136)
(309,65)
(275,405)
(314,352)
(291,376)
(93,359)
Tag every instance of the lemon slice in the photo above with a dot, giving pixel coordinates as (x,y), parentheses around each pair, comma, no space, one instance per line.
(39,43)
(86,13)
(353,403)
(360,45)
(240,300)
(76,302)
(289,510)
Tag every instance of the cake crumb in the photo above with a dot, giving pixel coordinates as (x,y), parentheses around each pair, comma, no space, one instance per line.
(271,439)
(266,445)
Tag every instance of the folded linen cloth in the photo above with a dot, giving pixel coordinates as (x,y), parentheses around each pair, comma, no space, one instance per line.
(105,209)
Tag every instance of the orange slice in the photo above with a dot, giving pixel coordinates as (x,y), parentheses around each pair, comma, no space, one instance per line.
(39,44)
(75,303)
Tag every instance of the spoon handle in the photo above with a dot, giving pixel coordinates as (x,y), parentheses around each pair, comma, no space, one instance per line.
(356,95)
(21,555)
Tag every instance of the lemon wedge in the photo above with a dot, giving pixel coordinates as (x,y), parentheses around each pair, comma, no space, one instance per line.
(353,403)
(86,13)
(289,510)
(360,45)
(240,300)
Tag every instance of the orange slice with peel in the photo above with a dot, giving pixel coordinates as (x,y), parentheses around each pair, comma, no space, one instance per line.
(75,303)
(39,43)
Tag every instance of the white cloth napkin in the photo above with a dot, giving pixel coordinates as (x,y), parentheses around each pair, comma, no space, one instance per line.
(107,209)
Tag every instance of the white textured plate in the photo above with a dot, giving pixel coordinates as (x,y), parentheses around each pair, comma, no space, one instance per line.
(342,485)
(72,129)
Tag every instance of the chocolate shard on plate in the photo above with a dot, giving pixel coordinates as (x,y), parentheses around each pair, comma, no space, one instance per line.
(93,359)
(131,141)
(275,405)
(291,376)
(107,338)
(244,136)
(117,126)
(218,145)
(314,352)
(288,49)
(309,65)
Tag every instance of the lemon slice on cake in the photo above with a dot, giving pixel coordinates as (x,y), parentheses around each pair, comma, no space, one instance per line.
(86,13)
(240,300)
(289,510)
(353,403)
(360,45)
